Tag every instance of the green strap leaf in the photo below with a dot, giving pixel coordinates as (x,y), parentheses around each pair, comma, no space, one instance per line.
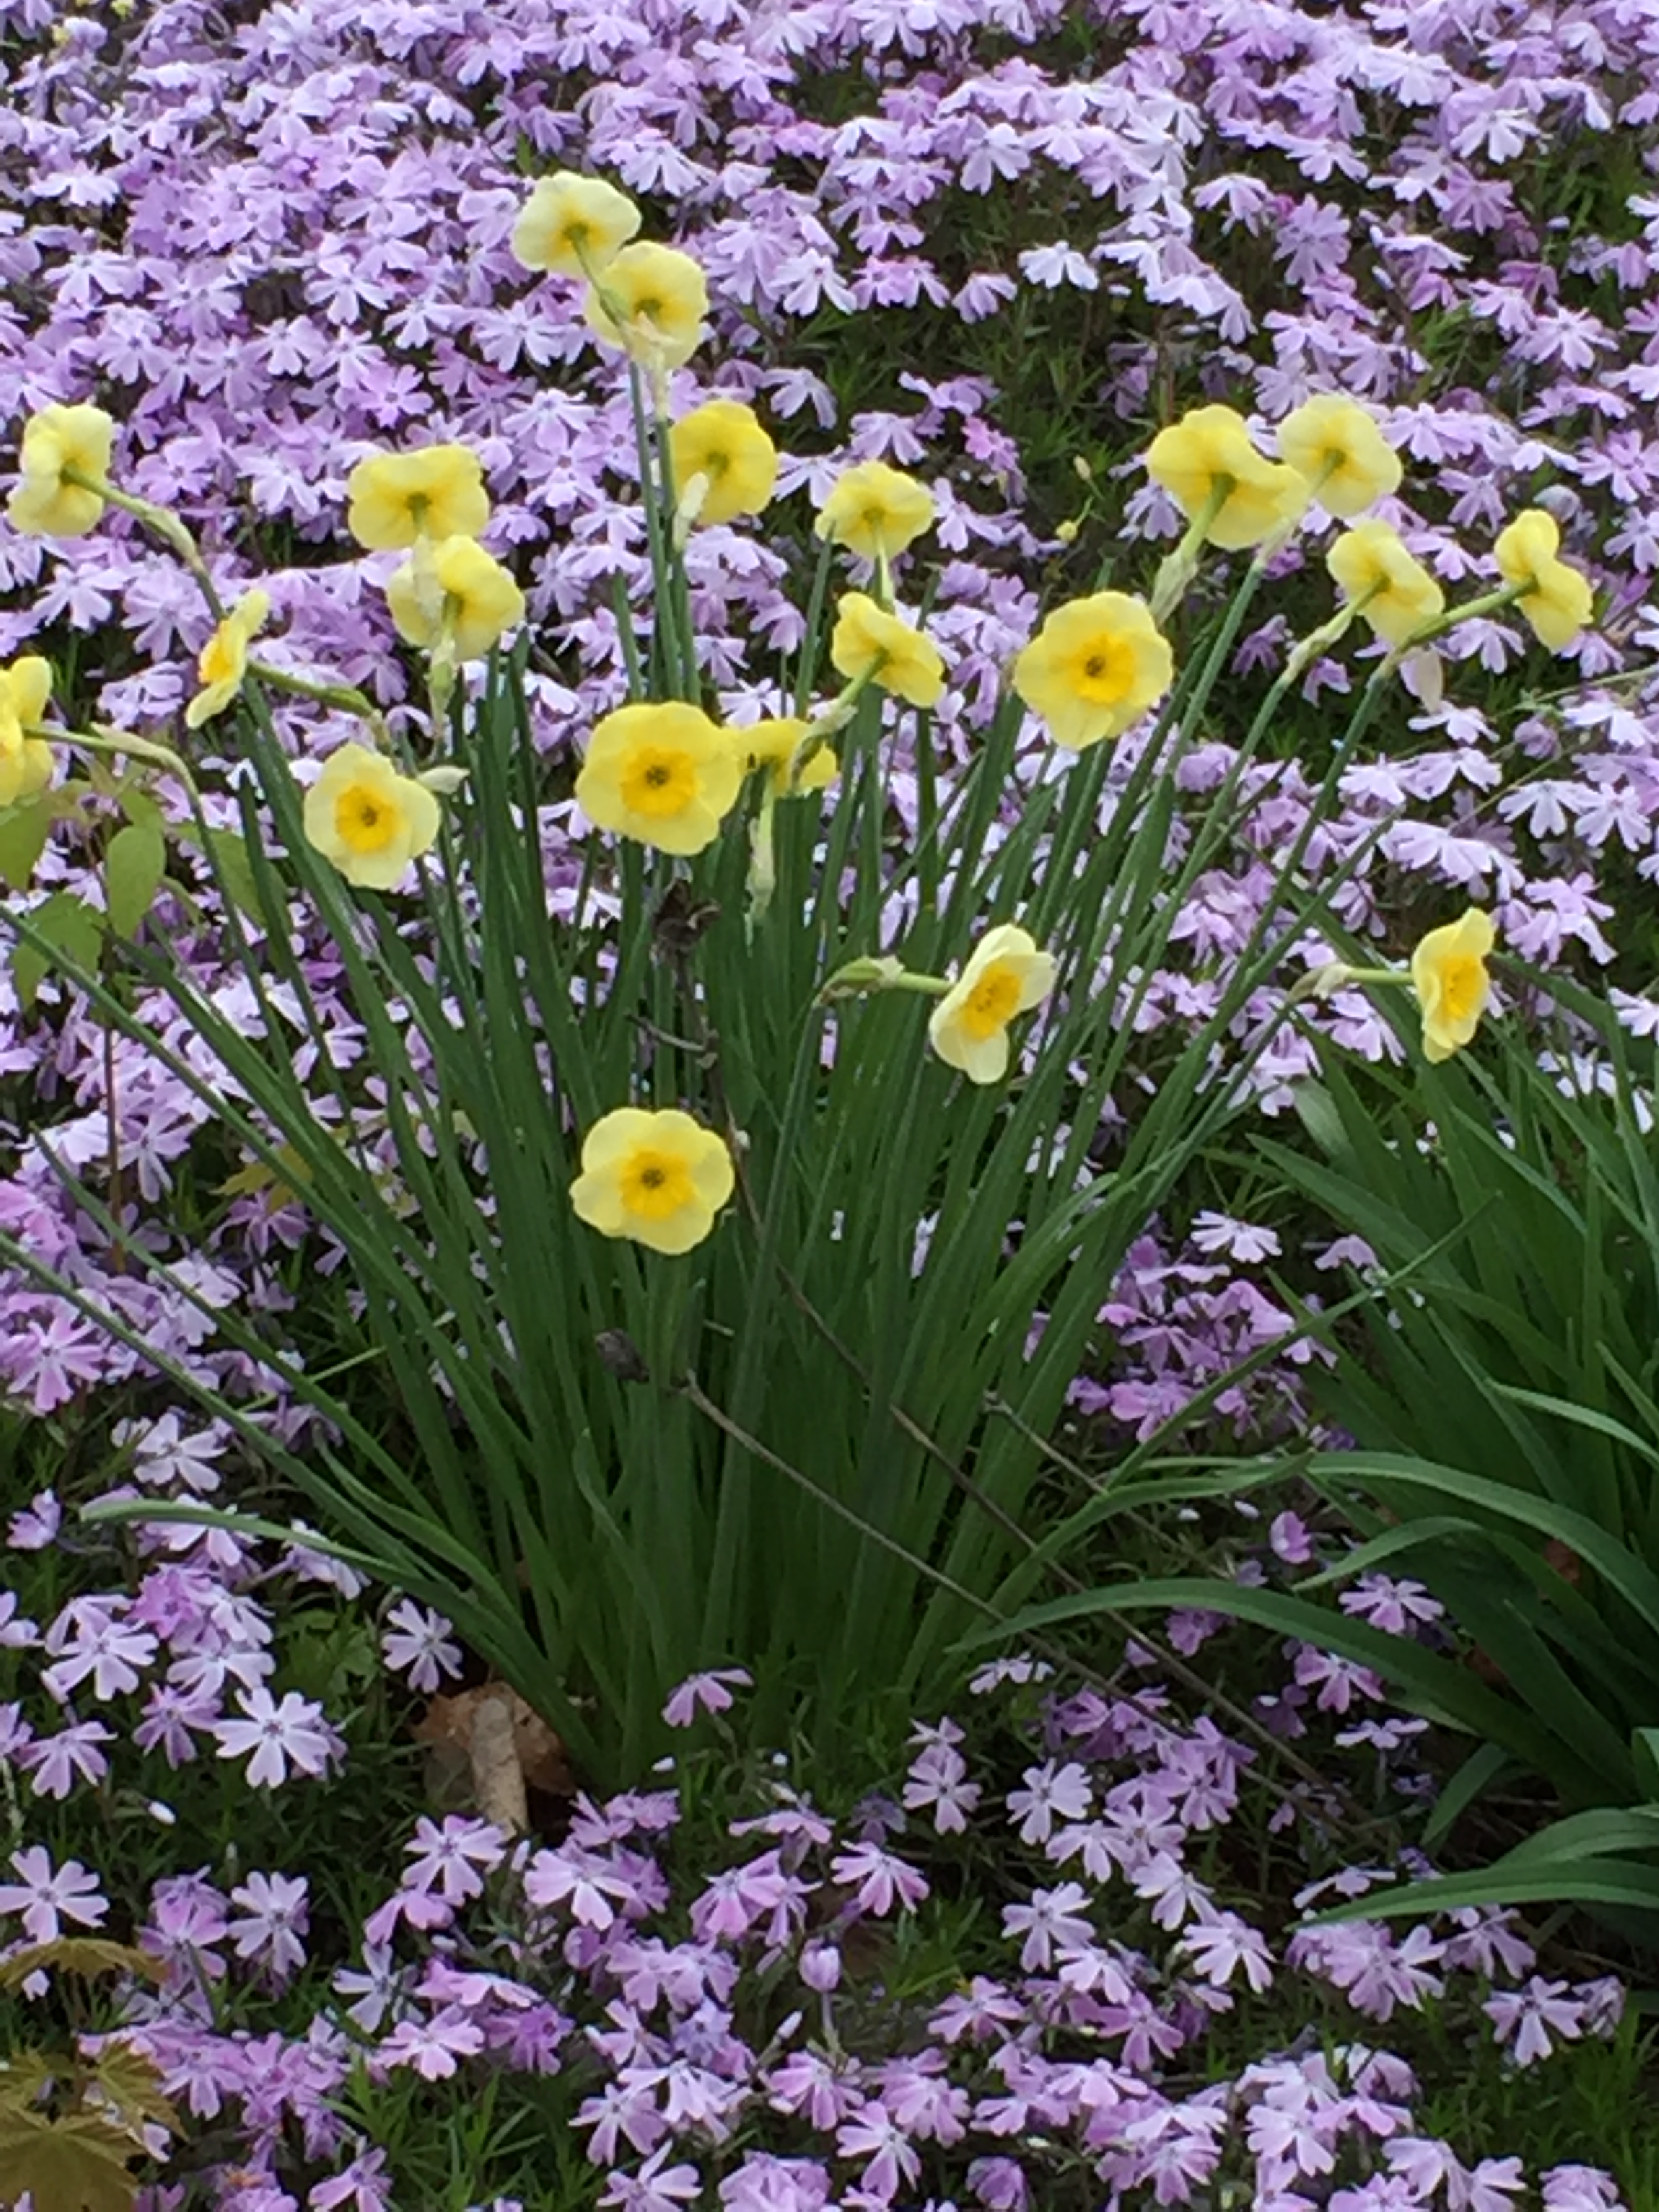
(64,927)
(133,868)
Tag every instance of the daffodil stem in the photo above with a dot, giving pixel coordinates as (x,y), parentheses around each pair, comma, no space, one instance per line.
(343,696)
(163,522)
(120,744)
(1489,603)
(1178,568)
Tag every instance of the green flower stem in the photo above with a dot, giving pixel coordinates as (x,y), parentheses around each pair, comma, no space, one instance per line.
(163,522)
(1489,603)
(343,696)
(120,744)
(806,666)
(1178,568)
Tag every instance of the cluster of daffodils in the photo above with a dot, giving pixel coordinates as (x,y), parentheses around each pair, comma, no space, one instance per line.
(665,773)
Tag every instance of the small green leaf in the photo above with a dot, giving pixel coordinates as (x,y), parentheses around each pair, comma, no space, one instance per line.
(66,925)
(133,867)
(140,808)
(233,870)
(23,834)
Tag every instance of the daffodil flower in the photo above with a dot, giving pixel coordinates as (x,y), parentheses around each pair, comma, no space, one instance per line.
(223,662)
(434,493)
(1006,975)
(1221,484)
(25,762)
(868,644)
(1556,600)
(663,773)
(1094,668)
(367,819)
(658,1178)
(650,300)
(60,444)
(1335,446)
(722,441)
(1385,584)
(875,510)
(1449,974)
(469,589)
(574,226)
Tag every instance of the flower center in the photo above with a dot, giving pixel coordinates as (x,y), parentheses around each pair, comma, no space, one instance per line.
(1106,672)
(1462,985)
(366,820)
(655,1185)
(658,782)
(992,1002)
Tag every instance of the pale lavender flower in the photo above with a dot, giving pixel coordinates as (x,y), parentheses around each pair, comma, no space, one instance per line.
(56,1763)
(707,1691)
(291,1732)
(45,1896)
(1050,1792)
(271,1929)
(434,2048)
(1528,2017)
(416,1642)
(454,1857)
(654,2188)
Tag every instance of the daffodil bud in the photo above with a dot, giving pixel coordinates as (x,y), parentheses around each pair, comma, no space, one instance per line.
(443,781)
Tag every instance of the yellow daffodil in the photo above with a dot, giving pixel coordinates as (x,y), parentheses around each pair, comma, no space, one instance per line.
(1006,975)
(1336,446)
(658,1178)
(369,820)
(25,762)
(773,746)
(663,773)
(1397,594)
(1557,599)
(876,511)
(722,442)
(435,492)
(59,438)
(223,662)
(1094,668)
(650,300)
(469,586)
(1449,974)
(870,643)
(574,225)
(1206,461)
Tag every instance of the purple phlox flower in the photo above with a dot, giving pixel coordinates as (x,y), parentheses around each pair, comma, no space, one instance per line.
(380,1988)
(1340,1681)
(649,1972)
(434,2048)
(944,1733)
(1528,2017)
(1243,1241)
(707,1689)
(809,2084)
(1363,1958)
(187,1916)
(16,1634)
(56,1763)
(938,1779)
(1219,1947)
(1174,2148)
(654,2188)
(170,1714)
(819,1966)
(1394,1606)
(91,1637)
(1050,1791)
(1287,1534)
(291,1733)
(870,2132)
(878,1880)
(271,1927)
(45,1896)
(364,2185)
(166,1458)
(1053,1916)
(416,1642)
(1175,1894)
(793,1819)
(985,2011)
(1580,2188)
(999,2184)
(765,2183)
(1017,1671)
(735,1899)
(36,1525)
(915,2092)
(454,1857)
(591,1887)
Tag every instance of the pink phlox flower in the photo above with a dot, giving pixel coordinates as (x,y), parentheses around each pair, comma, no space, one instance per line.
(870,2132)
(943,1734)
(454,1857)
(1015,1672)
(1050,1791)
(35,1526)
(434,2048)
(419,1643)
(649,1971)
(165,1457)
(879,1881)
(735,1899)
(445,1983)
(1052,1916)
(591,1887)
(1287,1534)
(1487,1943)
(694,2096)
(187,1916)
(45,1896)
(1384,2192)
(1174,2148)
(170,1716)
(640,1812)
(1529,2016)
(1391,1605)
(793,1819)
(813,2087)
(279,1735)
(984,2012)
(654,2188)
(272,1925)
(1219,1948)
(1095,1970)
(938,1779)
(56,1763)
(1244,1240)
(409,1908)
(364,2185)
(708,1691)
(999,2184)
